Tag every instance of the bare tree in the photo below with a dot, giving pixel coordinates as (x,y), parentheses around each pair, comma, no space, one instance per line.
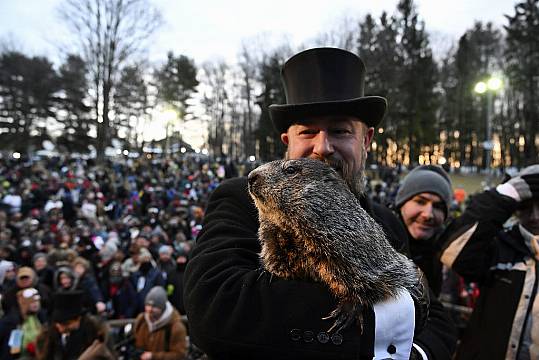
(109,33)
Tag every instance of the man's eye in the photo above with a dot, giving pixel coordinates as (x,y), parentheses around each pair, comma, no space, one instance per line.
(340,131)
(290,170)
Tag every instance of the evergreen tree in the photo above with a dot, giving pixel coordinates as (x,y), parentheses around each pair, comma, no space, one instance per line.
(270,146)
(523,71)
(76,117)
(28,88)
(130,102)
(418,78)
(176,82)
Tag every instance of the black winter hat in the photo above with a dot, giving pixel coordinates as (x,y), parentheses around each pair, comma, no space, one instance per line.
(426,179)
(325,81)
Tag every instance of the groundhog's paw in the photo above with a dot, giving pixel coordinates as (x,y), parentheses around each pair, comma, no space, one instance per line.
(344,315)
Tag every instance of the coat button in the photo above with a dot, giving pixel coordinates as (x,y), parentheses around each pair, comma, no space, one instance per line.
(322,337)
(391,349)
(336,339)
(308,336)
(295,334)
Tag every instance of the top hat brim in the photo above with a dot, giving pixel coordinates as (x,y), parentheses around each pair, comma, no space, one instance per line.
(368,109)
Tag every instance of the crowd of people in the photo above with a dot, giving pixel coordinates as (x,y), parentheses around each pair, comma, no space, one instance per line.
(83,244)
(112,233)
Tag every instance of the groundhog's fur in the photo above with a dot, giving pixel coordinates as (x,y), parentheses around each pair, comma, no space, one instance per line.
(313,227)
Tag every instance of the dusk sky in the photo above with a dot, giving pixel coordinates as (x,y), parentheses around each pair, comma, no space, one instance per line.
(211,29)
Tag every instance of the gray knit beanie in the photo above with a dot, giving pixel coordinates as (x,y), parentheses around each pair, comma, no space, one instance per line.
(426,179)
(157,297)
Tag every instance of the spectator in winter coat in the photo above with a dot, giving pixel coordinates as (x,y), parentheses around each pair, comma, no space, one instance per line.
(422,204)
(165,264)
(503,260)
(119,293)
(88,283)
(159,331)
(146,277)
(44,272)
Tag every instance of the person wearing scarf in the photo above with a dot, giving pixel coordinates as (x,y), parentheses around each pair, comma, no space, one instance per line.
(159,331)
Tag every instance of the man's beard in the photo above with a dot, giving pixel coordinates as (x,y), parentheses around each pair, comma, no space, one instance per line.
(355,180)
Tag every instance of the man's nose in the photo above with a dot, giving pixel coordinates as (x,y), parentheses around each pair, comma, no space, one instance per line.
(323,146)
(427,211)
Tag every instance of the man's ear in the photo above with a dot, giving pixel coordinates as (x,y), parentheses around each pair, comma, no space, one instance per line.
(284,138)
(369,134)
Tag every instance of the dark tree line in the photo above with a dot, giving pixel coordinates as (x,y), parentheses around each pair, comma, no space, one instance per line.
(434,114)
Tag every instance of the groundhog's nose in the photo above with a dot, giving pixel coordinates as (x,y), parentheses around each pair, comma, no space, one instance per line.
(253,177)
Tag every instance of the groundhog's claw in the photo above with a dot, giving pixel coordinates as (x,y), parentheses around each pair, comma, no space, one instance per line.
(344,316)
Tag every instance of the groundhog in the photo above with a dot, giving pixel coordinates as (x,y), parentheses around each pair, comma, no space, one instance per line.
(313,227)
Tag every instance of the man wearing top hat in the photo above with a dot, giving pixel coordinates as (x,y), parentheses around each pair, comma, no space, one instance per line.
(237,312)
(72,333)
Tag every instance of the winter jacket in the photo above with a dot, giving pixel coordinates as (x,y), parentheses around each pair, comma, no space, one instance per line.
(479,249)
(122,300)
(154,341)
(236,311)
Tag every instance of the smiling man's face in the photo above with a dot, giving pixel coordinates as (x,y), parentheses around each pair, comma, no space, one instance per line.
(341,141)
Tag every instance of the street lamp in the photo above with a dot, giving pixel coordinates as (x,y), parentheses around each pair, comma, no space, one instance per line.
(490,86)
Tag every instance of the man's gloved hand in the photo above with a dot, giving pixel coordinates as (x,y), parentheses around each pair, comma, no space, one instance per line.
(521,188)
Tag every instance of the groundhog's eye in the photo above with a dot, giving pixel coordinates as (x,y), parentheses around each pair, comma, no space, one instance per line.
(290,170)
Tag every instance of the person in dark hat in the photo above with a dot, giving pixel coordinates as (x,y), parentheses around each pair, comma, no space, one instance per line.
(422,204)
(71,331)
(502,257)
(236,311)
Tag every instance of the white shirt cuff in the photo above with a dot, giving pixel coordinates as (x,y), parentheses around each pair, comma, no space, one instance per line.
(394,327)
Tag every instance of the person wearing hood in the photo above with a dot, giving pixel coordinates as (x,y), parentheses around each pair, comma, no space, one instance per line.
(7,275)
(159,331)
(88,283)
(44,272)
(422,204)
(26,278)
(146,277)
(22,326)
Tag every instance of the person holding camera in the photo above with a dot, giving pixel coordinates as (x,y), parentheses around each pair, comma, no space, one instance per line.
(501,256)
(159,331)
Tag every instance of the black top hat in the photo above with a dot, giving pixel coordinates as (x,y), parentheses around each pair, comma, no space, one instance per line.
(325,81)
(67,306)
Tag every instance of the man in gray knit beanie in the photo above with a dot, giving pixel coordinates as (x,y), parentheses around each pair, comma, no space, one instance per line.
(426,179)
(422,203)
